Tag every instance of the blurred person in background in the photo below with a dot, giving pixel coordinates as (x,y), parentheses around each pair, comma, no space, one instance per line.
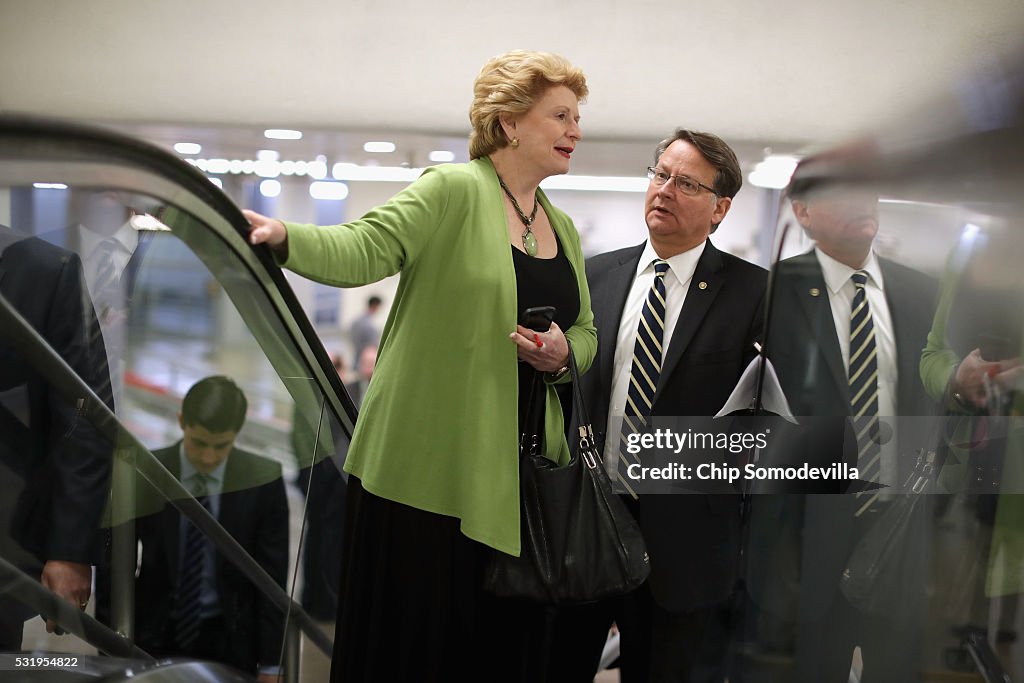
(54,465)
(846,335)
(365,330)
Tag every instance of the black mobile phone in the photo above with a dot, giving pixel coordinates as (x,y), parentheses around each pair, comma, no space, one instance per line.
(538,318)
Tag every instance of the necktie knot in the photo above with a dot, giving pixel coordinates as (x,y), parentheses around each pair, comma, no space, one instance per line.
(860,279)
(660,268)
(200,485)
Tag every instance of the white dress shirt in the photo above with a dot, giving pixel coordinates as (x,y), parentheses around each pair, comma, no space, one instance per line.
(126,241)
(840,296)
(677,280)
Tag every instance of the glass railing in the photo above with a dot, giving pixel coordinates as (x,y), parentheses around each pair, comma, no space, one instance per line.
(158,377)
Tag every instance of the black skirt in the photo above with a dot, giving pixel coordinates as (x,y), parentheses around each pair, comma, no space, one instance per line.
(411,607)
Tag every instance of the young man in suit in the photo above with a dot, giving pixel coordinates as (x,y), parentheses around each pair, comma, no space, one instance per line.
(189,599)
(673,628)
(845,338)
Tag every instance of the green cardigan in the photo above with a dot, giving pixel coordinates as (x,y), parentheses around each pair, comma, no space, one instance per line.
(439,425)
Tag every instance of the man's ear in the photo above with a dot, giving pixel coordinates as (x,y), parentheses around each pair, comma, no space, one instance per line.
(722,205)
(181,421)
(801,213)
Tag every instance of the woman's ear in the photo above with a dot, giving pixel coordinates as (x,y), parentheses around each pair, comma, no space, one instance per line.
(508,125)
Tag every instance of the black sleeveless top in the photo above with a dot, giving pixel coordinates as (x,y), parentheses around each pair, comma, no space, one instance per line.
(544,282)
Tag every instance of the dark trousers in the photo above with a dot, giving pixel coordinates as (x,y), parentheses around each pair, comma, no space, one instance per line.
(656,646)
(890,651)
(890,643)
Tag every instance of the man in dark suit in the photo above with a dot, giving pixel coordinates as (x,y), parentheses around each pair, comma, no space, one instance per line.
(54,465)
(845,337)
(224,617)
(674,628)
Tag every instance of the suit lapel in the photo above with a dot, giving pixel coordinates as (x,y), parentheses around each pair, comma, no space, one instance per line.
(704,287)
(7,238)
(610,299)
(231,489)
(170,518)
(818,313)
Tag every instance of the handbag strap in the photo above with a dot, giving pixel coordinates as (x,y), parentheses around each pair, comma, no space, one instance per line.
(587,443)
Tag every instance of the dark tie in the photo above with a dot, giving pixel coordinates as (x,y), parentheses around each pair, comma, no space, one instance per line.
(863,377)
(190,575)
(645,370)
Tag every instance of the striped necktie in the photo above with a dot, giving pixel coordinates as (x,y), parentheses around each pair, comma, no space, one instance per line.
(190,574)
(645,370)
(863,375)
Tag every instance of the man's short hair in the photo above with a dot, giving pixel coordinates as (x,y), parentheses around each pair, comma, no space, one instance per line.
(729,178)
(374,301)
(216,404)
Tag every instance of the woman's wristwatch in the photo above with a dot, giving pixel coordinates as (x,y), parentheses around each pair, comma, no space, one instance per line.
(560,372)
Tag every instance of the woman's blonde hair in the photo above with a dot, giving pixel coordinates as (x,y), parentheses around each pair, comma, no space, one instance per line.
(510,84)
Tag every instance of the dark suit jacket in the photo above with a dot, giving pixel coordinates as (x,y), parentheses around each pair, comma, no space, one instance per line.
(693,539)
(804,349)
(254,510)
(56,467)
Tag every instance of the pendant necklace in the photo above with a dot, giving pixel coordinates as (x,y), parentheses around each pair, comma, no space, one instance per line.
(529,240)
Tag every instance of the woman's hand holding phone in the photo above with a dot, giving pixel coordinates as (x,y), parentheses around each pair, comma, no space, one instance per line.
(545,351)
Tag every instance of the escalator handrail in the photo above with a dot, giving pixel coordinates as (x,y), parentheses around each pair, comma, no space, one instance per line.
(31,346)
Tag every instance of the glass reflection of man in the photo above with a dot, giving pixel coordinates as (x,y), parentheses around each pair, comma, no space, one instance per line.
(845,340)
(102,233)
(54,465)
(204,607)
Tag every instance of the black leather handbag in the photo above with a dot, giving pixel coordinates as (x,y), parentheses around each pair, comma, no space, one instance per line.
(885,562)
(579,542)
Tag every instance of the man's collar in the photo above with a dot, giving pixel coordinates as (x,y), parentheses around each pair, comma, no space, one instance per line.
(682,265)
(837,274)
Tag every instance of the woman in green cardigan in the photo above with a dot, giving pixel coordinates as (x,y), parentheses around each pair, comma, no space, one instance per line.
(433,463)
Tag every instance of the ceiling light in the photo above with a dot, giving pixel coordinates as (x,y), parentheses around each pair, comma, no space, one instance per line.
(386,174)
(328,190)
(442,156)
(268,155)
(317,169)
(774,172)
(50,186)
(380,147)
(270,188)
(282,134)
(217,166)
(596,183)
(267,168)
(188,148)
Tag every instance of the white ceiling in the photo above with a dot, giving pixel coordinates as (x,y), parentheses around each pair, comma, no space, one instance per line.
(789,74)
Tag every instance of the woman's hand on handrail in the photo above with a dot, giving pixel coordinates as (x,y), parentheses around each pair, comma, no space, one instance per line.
(265,230)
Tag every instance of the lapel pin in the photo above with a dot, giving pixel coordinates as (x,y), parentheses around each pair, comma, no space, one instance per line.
(702,284)
(815,291)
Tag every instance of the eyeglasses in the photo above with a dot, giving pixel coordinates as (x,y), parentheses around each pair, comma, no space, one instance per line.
(684,184)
